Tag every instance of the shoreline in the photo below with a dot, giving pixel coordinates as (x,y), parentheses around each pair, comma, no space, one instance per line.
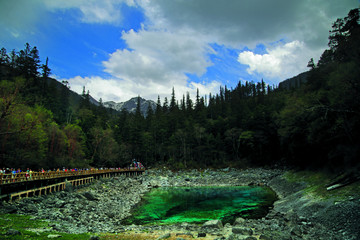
(100,207)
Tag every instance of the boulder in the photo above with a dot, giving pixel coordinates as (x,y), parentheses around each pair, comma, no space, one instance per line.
(165,236)
(59,204)
(89,196)
(251,238)
(239,221)
(264,237)
(243,231)
(215,224)
(9,209)
(201,235)
(30,208)
(68,187)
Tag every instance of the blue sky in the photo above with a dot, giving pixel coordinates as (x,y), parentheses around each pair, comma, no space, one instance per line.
(119,49)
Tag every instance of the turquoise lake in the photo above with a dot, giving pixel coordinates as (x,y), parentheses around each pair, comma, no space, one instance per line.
(199,204)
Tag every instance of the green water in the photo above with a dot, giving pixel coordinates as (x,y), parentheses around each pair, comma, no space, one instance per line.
(200,204)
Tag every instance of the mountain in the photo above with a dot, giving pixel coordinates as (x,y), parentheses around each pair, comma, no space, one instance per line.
(294,82)
(131,104)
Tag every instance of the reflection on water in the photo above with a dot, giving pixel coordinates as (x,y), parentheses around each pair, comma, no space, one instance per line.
(200,204)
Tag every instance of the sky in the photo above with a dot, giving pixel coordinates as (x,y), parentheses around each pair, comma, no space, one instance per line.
(119,49)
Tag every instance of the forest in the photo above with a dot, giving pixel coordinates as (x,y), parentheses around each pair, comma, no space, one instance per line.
(316,125)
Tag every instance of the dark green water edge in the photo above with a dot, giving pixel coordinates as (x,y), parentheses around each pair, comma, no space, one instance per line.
(171,205)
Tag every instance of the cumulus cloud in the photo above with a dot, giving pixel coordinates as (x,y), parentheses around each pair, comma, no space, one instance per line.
(107,89)
(285,60)
(159,56)
(117,90)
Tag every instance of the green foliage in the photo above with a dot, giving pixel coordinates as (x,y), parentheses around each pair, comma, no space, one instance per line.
(31,229)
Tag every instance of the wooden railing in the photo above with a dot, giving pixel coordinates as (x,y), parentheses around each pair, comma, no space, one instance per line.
(49,189)
(9,178)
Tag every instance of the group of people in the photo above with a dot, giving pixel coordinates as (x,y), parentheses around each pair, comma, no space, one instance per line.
(137,165)
(13,172)
(28,172)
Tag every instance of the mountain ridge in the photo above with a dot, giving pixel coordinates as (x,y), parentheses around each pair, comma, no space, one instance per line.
(131,105)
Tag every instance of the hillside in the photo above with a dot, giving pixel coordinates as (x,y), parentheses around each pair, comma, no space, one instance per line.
(294,82)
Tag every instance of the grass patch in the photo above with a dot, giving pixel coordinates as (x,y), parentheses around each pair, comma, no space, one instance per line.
(318,181)
(31,229)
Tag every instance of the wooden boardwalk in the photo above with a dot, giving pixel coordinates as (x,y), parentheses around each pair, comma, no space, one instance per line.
(20,185)
(49,189)
(10,178)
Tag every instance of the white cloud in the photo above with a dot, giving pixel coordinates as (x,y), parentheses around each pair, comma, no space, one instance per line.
(159,56)
(117,90)
(282,61)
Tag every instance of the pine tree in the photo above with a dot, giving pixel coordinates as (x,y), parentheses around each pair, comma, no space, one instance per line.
(173,105)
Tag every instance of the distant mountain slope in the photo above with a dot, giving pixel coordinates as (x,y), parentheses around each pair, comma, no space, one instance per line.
(294,82)
(131,104)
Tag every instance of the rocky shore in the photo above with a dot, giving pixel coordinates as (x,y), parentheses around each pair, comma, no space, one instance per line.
(101,206)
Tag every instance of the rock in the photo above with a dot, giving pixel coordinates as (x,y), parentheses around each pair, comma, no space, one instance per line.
(296,231)
(10,209)
(220,238)
(165,236)
(251,238)
(201,234)
(239,221)
(80,196)
(59,204)
(68,187)
(236,237)
(90,196)
(12,232)
(93,237)
(215,224)
(227,225)
(31,208)
(242,231)
(264,237)
(54,236)
(55,227)
(185,234)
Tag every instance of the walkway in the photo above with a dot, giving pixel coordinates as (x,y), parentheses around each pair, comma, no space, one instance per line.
(25,177)
(12,185)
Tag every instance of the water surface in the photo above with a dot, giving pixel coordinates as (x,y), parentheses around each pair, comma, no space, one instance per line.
(199,204)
